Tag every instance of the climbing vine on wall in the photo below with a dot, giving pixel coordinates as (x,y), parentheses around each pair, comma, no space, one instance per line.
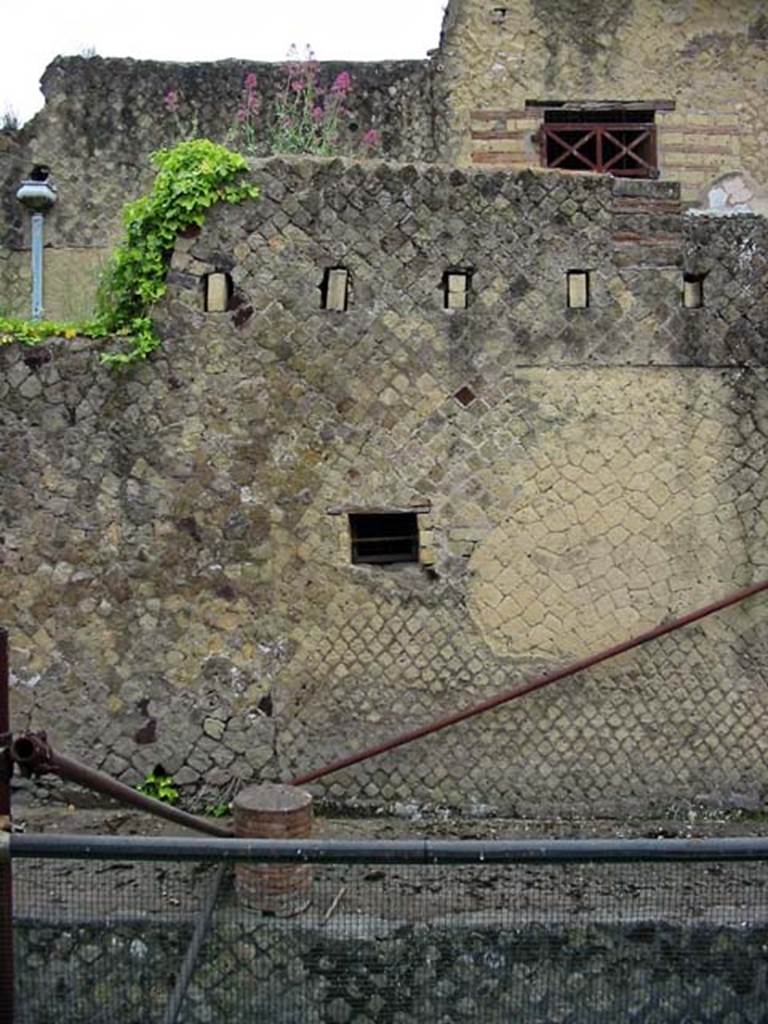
(191,178)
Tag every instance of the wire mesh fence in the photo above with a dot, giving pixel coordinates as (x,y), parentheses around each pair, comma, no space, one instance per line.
(378,939)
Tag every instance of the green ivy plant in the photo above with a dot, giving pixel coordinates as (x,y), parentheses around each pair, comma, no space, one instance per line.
(191,177)
(160,786)
(217,810)
(32,332)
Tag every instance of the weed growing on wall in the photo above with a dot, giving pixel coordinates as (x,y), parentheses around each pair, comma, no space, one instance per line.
(160,786)
(9,121)
(32,332)
(308,117)
(184,126)
(191,178)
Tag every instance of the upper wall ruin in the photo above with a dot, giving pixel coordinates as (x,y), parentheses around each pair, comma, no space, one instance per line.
(696,67)
(685,78)
(104,117)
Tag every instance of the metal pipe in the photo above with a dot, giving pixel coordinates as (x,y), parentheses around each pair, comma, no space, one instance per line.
(37,265)
(536,684)
(402,851)
(34,755)
(6,876)
(193,950)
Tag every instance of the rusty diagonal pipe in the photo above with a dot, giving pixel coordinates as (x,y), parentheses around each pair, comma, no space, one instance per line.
(35,756)
(535,684)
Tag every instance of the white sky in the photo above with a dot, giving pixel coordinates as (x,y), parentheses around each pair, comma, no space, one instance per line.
(33,34)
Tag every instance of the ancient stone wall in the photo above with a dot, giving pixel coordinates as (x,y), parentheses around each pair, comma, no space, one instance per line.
(479,100)
(104,117)
(709,58)
(357,964)
(177,571)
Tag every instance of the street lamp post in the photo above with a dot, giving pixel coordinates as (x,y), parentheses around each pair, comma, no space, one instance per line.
(38,194)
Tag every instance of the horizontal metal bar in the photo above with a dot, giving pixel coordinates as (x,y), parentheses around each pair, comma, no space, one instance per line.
(600,105)
(379,510)
(553,127)
(406,851)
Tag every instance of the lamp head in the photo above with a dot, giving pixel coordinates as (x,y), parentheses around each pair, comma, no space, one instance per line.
(37,192)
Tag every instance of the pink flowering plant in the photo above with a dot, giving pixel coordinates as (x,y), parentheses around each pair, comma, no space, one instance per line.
(308,117)
(183,125)
(248,110)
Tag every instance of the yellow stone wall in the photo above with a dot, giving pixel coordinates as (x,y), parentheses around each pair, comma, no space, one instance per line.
(621,513)
(176,555)
(576,510)
(709,57)
(70,281)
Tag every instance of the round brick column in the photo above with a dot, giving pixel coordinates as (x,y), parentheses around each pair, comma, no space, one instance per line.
(272,811)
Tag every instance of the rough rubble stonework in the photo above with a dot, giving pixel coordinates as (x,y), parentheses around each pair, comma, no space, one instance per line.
(450,969)
(104,117)
(176,556)
(478,100)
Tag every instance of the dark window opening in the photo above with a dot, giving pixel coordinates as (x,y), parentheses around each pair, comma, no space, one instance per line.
(693,290)
(617,141)
(380,538)
(217,292)
(456,287)
(578,289)
(40,172)
(334,290)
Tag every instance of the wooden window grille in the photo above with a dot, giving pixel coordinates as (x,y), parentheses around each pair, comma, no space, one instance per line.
(618,142)
(384,537)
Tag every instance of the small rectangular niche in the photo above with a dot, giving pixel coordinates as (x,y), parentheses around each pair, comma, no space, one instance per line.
(578,289)
(334,291)
(218,291)
(456,286)
(693,291)
(384,538)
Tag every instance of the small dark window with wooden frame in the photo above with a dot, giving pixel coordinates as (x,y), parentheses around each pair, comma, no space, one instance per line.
(693,290)
(619,141)
(334,289)
(380,538)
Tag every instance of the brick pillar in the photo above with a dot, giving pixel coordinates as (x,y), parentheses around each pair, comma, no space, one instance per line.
(272,811)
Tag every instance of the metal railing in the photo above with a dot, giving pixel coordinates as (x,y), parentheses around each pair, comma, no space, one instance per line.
(113,929)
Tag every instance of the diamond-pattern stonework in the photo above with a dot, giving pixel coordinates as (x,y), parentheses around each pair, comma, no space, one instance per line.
(179,591)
